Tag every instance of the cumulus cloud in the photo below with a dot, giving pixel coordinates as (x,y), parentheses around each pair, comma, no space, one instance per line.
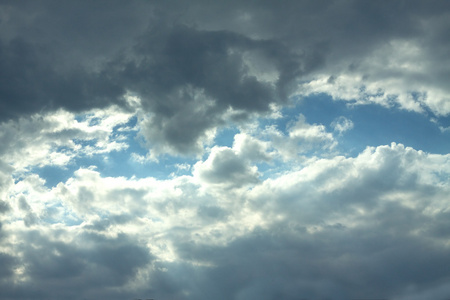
(244,193)
(335,223)
(252,148)
(225,168)
(301,138)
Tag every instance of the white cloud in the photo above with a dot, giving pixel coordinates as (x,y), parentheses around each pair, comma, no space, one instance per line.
(55,139)
(338,206)
(393,74)
(251,148)
(301,137)
(342,124)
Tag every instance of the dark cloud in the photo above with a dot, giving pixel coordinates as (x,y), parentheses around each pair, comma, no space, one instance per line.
(290,263)
(30,83)
(189,79)
(226,169)
(30,217)
(50,54)
(83,267)
(4,207)
(191,63)
(7,262)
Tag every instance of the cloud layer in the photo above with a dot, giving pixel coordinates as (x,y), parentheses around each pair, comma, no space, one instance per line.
(336,228)
(170,150)
(195,72)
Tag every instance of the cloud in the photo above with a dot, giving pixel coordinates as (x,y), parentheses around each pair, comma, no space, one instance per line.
(190,69)
(335,223)
(90,261)
(193,81)
(225,168)
(57,138)
(342,124)
(246,195)
(6,180)
(300,138)
(251,148)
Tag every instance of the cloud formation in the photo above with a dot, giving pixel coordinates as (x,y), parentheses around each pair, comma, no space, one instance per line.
(195,73)
(218,150)
(335,228)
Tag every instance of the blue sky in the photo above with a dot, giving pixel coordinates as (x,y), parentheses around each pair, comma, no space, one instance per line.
(372,126)
(224,150)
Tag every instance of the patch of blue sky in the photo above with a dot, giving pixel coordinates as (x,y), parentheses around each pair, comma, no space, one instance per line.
(225,136)
(82,142)
(69,219)
(90,116)
(374,125)
(122,163)
(132,122)
(55,174)
(116,164)
(80,117)
(272,169)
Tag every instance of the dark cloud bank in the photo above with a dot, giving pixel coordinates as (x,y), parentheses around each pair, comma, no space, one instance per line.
(199,66)
(192,63)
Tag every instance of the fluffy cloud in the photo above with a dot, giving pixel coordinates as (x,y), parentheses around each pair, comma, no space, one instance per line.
(55,139)
(336,223)
(244,193)
(225,167)
(301,138)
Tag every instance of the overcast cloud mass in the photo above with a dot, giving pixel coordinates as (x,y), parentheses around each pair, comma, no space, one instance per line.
(224,150)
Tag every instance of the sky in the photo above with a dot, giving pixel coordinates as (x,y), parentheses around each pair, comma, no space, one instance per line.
(224,150)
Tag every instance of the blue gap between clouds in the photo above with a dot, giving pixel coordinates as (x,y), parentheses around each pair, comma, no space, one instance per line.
(374,125)
(115,163)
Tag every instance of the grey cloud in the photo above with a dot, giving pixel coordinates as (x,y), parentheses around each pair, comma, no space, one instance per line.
(30,83)
(51,54)
(343,228)
(190,78)
(120,255)
(371,226)
(43,72)
(106,223)
(289,263)
(338,35)
(30,217)
(4,206)
(210,212)
(387,242)
(8,263)
(6,182)
(225,168)
(84,267)
(191,63)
